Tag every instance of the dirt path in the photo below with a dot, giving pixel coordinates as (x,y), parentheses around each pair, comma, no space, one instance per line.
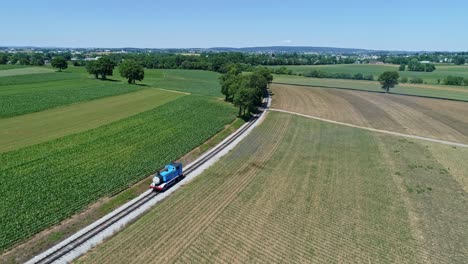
(376,130)
(427,118)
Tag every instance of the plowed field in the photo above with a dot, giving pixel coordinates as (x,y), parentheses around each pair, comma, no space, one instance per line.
(433,118)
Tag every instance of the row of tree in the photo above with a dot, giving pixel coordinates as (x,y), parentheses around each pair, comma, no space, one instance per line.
(389,79)
(245,90)
(414,80)
(103,67)
(415,65)
(456,80)
(458,59)
(338,75)
(220,62)
(35,59)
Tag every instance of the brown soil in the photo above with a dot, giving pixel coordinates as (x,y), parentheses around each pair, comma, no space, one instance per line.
(433,118)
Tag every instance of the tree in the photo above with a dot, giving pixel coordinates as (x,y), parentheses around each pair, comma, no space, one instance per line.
(131,70)
(67,56)
(37,59)
(429,67)
(59,63)
(244,98)
(105,67)
(459,60)
(3,58)
(388,80)
(453,80)
(24,61)
(91,67)
(266,73)
(402,67)
(259,81)
(228,80)
(358,76)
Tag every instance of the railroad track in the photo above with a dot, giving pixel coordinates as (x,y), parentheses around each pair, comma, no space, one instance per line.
(63,250)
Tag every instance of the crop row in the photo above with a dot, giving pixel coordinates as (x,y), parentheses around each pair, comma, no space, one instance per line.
(51,92)
(46,183)
(183,218)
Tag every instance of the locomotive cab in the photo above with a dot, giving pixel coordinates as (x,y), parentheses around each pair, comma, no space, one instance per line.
(167,176)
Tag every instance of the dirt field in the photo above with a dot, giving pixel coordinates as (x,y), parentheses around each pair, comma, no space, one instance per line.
(439,119)
(303,191)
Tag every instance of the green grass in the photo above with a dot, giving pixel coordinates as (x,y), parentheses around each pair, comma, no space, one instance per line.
(25,71)
(189,81)
(430,77)
(45,183)
(28,93)
(36,78)
(9,66)
(33,97)
(449,92)
(25,130)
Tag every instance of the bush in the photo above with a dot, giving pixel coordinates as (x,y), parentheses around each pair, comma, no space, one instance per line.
(404,79)
(416,80)
(369,77)
(315,74)
(358,76)
(282,70)
(338,75)
(453,80)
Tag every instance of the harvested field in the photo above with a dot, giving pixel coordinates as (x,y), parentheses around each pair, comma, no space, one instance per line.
(303,191)
(433,118)
(436,91)
(34,128)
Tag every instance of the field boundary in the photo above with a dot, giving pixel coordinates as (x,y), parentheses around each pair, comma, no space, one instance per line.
(456,144)
(369,91)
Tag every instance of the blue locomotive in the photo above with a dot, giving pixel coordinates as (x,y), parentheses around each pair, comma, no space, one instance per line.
(166,177)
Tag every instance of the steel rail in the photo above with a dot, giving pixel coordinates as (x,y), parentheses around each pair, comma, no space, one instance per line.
(75,243)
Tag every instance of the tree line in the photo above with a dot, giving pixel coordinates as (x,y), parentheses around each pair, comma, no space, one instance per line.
(322,74)
(104,66)
(35,59)
(457,59)
(245,90)
(219,62)
(415,65)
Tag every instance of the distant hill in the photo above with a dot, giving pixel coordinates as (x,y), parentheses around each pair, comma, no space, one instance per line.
(292,49)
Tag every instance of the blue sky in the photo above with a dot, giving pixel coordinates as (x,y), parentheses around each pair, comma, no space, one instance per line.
(392,25)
